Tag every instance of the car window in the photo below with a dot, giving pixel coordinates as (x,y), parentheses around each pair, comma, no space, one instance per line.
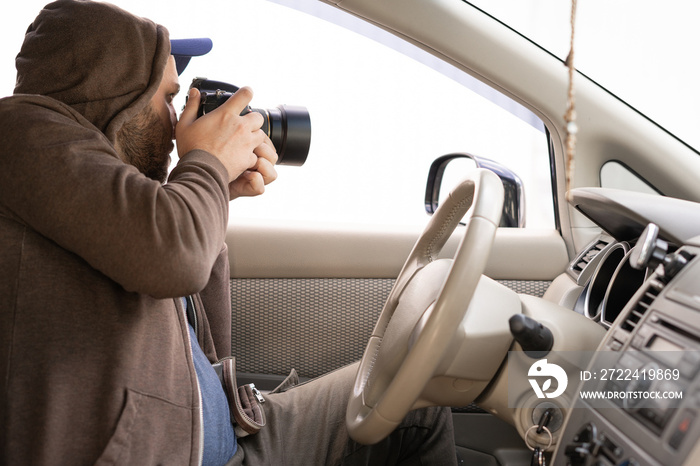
(379,118)
(381,110)
(637,50)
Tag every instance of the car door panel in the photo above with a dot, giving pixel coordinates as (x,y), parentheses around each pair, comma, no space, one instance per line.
(270,250)
(307,297)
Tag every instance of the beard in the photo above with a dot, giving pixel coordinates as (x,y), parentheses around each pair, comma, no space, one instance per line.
(145,143)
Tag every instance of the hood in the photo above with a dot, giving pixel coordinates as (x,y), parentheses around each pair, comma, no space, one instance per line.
(95,57)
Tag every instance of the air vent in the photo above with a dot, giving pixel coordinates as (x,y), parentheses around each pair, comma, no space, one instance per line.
(586,257)
(642,306)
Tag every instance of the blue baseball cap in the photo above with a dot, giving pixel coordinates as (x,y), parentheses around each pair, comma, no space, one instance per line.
(184,49)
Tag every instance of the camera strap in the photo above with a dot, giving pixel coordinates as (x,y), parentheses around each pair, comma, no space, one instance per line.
(245,402)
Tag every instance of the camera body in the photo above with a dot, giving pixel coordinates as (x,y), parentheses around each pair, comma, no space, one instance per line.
(287,126)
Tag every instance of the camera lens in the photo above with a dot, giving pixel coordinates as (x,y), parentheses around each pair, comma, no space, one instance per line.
(289,129)
(287,126)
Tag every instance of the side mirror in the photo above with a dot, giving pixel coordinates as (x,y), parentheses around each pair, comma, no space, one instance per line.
(449,169)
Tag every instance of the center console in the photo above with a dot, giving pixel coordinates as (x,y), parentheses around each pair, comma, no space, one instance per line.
(651,356)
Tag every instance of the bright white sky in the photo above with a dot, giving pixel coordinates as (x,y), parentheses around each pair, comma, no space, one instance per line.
(644,51)
(649,41)
(279,52)
(369,160)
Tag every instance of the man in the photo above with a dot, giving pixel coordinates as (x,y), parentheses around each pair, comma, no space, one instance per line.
(115,284)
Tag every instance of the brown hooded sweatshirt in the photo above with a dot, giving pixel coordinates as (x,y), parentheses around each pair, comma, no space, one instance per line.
(95,365)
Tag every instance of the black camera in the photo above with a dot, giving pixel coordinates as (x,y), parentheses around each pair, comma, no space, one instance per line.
(287,126)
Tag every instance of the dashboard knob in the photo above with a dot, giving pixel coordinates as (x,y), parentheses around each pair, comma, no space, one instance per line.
(535,339)
(650,251)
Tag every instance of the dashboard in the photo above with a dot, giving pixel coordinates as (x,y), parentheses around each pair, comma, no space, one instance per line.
(612,280)
(642,282)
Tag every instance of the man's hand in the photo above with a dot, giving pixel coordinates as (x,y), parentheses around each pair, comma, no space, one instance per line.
(252,182)
(237,141)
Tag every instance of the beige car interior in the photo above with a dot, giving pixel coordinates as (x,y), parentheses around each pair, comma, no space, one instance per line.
(474,277)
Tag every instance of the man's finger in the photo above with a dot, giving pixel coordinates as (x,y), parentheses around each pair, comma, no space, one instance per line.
(267,151)
(240,100)
(189,114)
(266,170)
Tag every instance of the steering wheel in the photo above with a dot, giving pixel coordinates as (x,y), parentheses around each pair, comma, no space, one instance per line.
(429,300)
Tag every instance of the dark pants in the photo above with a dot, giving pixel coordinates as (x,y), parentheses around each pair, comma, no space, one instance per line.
(306,426)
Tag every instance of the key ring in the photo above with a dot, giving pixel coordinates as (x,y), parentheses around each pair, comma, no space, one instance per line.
(551,437)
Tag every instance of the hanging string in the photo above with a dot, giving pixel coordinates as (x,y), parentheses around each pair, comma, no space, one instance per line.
(571,127)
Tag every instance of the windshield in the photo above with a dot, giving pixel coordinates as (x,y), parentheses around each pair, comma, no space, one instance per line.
(644,51)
